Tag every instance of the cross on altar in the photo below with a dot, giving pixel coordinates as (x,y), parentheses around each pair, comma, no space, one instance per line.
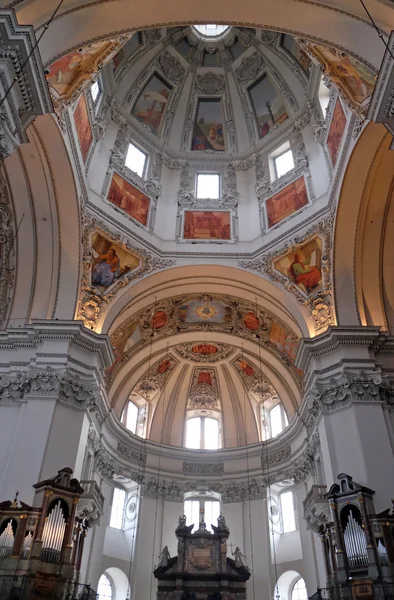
(231,546)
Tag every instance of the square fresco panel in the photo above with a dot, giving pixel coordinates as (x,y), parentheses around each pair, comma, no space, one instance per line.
(151,103)
(110,262)
(207,225)
(303,266)
(83,127)
(358,79)
(286,202)
(268,105)
(126,196)
(335,134)
(297,52)
(208,133)
(64,72)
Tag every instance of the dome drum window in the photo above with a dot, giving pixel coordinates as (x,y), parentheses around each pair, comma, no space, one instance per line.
(202,433)
(281,161)
(96,91)
(136,160)
(208,186)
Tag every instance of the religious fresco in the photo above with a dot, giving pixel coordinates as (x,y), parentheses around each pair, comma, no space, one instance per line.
(205,311)
(245,367)
(204,352)
(207,225)
(278,336)
(268,105)
(208,131)
(110,262)
(159,320)
(336,131)
(251,321)
(285,203)
(83,127)
(293,47)
(68,73)
(352,77)
(151,104)
(303,265)
(130,199)
(210,313)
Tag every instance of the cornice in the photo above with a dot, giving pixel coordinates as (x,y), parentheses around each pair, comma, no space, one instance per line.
(335,337)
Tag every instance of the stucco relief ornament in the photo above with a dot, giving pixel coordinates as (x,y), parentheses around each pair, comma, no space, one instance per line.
(171,66)
(249,67)
(210,83)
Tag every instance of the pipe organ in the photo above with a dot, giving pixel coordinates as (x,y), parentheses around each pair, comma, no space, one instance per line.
(43,543)
(358,544)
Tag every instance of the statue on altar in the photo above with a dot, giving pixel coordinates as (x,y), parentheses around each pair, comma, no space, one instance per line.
(164,557)
(239,558)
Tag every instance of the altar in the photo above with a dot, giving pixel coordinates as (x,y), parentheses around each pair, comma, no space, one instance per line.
(202,570)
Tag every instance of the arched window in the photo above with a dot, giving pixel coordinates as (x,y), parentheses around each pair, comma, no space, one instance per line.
(273,421)
(299,591)
(117,509)
(104,588)
(202,433)
(201,508)
(324,96)
(134,416)
(287,510)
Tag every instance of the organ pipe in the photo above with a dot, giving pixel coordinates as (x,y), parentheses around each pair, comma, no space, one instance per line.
(7,539)
(355,544)
(53,534)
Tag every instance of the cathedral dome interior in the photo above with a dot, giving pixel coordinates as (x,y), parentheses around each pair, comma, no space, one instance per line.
(196,300)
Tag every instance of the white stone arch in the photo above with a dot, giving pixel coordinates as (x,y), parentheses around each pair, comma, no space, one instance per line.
(285,583)
(346,28)
(46,206)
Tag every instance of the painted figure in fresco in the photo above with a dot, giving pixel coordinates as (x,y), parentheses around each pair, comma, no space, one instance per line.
(64,70)
(302,273)
(246,368)
(107,269)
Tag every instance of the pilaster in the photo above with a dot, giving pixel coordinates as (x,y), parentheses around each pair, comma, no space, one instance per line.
(347,391)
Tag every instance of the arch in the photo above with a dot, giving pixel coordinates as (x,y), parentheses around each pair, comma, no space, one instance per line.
(211,279)
(363,265)
(120,582)
(347,28)
(285,584)
(45,201)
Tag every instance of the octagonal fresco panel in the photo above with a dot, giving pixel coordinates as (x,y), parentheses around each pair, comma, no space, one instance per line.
(110,263)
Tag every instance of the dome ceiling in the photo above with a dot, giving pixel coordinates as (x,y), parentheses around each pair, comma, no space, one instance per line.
(204,355)
(220,93)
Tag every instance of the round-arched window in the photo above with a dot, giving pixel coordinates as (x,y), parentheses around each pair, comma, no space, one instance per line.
(299,591)
(104,588)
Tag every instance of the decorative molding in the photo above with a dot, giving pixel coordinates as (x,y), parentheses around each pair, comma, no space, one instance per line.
(129,453)
(222,351)
(196,468)
(23,87)
(7,250)
(274,458)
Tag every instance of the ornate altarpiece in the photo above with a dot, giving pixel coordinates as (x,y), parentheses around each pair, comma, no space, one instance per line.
(201,571)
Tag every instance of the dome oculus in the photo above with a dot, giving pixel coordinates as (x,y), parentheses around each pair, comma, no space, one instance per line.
(211,30)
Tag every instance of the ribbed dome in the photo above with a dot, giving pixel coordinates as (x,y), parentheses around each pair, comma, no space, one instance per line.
(222,93)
